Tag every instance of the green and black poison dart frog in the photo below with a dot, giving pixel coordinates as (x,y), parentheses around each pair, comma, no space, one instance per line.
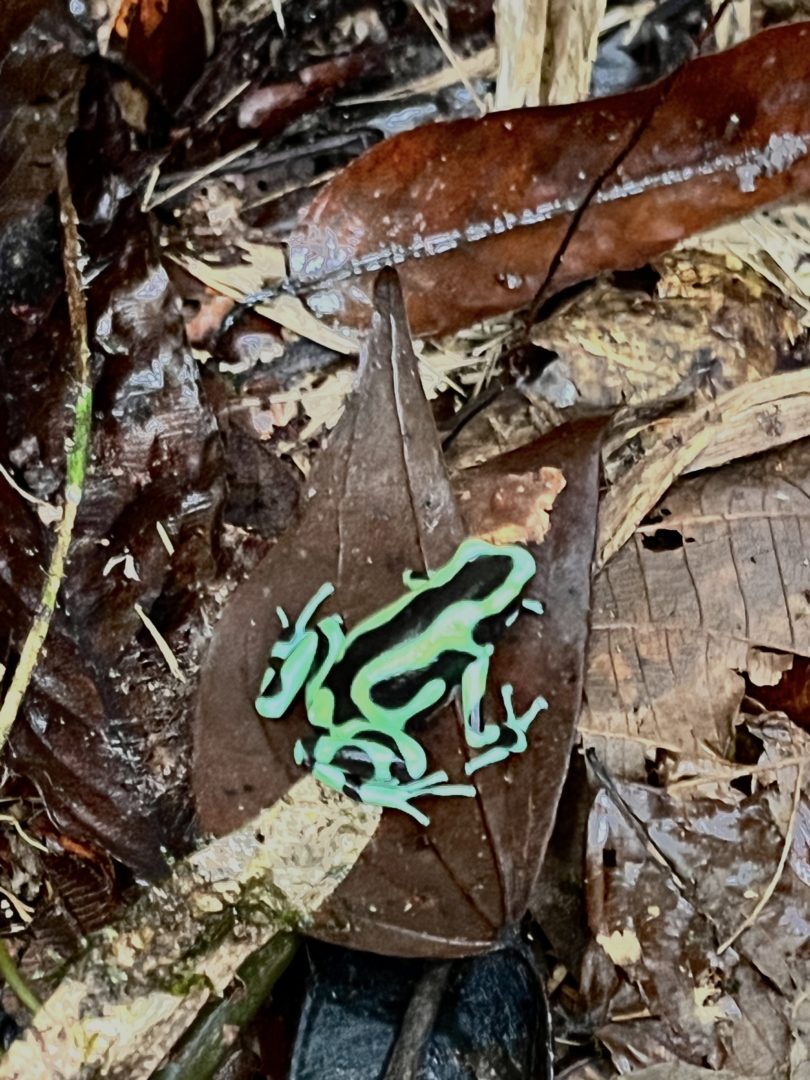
(364,689)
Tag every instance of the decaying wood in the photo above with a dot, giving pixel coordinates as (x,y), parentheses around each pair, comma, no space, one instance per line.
(546,50)
(121,1007)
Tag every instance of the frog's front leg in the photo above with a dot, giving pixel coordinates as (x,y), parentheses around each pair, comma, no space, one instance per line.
(511,737)
(293,656)
(473,687)
(286,676)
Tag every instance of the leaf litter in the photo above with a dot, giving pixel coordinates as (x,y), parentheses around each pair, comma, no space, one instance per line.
(726,769)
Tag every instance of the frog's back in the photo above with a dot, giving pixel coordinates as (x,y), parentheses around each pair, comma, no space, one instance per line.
(489,576)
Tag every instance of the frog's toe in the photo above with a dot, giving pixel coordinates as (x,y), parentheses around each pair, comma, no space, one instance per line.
(415,579)
(489,734)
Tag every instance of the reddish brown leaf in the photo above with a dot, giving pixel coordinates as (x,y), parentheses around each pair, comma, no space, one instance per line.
(164,41)
(474,212)
(380,502)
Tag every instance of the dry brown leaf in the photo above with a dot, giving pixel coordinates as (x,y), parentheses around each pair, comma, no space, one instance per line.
(748,420)
(722,568)
(705,322)
(687,878)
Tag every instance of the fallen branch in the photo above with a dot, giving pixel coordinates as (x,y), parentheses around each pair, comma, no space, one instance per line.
(123,1005)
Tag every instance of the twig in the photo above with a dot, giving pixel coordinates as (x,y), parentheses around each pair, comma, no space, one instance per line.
(783,858)
(15,982)
(732,774)
(636,825)
(162,644)
(77,447)
(199,174)
(449,53)
(417,1024)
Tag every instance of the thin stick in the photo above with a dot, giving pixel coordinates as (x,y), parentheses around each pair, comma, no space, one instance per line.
(77,448)
(200,174)
(771,887)
(449,53)
(15,982)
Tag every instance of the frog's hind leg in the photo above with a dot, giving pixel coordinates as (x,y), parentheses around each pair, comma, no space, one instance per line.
(398,796)
(511,735)
(389,793)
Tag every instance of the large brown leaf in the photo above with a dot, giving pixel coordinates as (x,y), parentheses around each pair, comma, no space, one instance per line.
(715,586)
(380,501)
(474,212)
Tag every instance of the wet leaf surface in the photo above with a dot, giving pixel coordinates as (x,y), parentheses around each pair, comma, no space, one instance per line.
(102,733)
(41,75)
(379,501)
(715,139)
(363,1015)
(664,921)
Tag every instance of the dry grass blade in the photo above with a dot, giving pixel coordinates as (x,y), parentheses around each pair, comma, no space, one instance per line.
(162,644)
(441,40)
(239,282)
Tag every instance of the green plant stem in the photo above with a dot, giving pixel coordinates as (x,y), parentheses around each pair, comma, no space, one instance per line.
(205,1046)
(15,982)
(76,463)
